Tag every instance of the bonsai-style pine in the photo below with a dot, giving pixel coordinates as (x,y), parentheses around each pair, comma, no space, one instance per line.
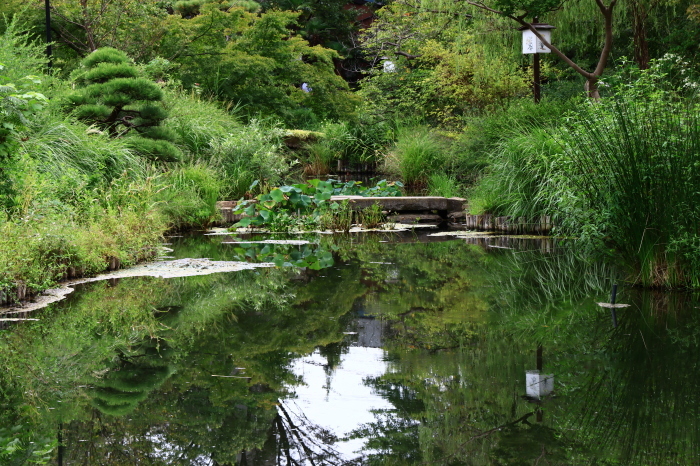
(119,102)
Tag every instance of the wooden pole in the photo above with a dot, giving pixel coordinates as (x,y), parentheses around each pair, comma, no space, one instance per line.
(536,78)
(47,5)
(535,71)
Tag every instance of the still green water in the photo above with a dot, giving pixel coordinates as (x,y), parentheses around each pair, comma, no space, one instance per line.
(396,349)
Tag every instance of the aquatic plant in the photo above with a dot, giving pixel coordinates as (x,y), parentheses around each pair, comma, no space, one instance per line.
(519,181)
(443,184)
(371,217)
(308,205)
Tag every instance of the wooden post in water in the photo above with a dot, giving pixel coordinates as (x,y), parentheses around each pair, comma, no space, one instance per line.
(613,296)
(612,305)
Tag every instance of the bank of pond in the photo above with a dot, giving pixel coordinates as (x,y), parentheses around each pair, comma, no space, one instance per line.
(417,347)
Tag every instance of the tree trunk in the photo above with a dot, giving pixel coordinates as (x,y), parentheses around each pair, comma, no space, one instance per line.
(639,34)
(591,88)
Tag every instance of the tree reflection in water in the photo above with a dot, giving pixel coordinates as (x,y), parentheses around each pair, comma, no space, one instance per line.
(199,369)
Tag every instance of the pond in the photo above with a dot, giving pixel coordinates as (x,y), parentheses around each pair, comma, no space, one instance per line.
(358,349)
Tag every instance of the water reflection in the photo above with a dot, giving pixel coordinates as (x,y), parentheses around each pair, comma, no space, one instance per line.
(398,353)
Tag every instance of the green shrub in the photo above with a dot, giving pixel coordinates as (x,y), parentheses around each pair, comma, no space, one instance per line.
(120,103)
(260,62)
(188,8)
(18,53)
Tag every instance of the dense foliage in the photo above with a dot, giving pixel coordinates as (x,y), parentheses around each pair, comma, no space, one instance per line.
(241,96)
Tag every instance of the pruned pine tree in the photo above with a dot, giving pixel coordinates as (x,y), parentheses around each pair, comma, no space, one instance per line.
(116,100)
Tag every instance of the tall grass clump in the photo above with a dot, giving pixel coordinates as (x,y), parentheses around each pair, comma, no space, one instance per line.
(354,143)
(198,121)
(477,148)
(520,180)
(443,184)
(251,153)
(634,165)
(484,133)
(370,138)
(337,143)
(417,154)
(47,239)
(62,147)
(189,196)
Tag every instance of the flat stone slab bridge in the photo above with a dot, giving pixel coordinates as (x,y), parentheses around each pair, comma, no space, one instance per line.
(411,209)
(426,209)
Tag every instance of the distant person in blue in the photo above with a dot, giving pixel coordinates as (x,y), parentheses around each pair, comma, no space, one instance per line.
(306,88)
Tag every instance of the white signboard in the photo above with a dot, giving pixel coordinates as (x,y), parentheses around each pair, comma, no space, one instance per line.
(531,44)
(538,385)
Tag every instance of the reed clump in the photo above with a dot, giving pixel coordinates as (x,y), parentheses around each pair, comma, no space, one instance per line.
(634,166)
(620,175)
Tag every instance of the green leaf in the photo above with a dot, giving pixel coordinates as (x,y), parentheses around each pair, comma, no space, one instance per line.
(244,223)
(305,200)
(324,185)
(294,200)
(277,195)
(288,189)
(315,266)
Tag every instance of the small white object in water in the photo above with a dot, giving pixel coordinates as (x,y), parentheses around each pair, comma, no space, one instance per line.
(612,306)
(296,242)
